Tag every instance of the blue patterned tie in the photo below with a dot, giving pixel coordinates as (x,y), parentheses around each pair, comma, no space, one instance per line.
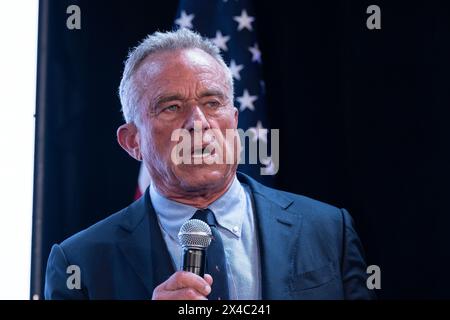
(215,258)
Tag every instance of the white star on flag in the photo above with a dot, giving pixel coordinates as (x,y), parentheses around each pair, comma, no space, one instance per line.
(185,21)
(244,20)
(221,41)
(246,101)
(259,133)
(256,54)
(235,69)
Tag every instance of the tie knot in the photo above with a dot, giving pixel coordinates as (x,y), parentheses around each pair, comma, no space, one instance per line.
(206,215)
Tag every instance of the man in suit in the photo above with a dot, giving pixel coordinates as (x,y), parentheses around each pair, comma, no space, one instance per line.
(268,244)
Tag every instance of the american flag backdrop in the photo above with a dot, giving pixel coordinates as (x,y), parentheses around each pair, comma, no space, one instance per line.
(232,26)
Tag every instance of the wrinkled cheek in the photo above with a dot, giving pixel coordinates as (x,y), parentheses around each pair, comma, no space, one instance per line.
(153,148)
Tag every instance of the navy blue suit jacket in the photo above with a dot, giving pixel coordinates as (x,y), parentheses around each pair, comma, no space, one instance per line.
(309,250)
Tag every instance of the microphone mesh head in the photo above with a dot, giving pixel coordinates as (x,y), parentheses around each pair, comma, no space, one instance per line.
(195,233)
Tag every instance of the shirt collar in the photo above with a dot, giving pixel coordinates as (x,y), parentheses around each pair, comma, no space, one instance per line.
(228,210)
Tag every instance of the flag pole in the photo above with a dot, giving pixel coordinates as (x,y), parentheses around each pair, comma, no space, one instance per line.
(36,280)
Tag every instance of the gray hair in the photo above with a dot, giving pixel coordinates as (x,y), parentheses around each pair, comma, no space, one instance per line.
(158,42)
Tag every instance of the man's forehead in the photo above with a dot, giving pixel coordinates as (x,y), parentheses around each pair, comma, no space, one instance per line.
(177,60)
(177,71)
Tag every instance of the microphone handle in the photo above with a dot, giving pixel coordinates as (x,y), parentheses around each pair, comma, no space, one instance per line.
(194,260)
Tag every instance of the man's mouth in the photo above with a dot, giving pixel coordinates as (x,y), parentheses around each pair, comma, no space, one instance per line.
(200,152)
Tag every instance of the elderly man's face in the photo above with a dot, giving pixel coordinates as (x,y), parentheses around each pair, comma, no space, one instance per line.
(178,89)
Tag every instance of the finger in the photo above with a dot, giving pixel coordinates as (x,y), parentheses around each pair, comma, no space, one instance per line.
(180,294)
(183,279)
(208,279)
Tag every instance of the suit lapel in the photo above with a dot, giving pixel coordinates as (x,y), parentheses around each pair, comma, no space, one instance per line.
(143,245)
(278,230)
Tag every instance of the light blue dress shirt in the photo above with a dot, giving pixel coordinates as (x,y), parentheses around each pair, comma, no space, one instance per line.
(234,214)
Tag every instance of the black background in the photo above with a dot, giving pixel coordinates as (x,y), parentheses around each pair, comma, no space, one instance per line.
(362,116)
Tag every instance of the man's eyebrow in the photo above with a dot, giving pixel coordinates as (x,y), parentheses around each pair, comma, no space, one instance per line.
(176,96)
(169,97)
(212,92)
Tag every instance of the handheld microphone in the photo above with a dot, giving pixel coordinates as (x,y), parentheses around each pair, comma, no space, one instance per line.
(195,237)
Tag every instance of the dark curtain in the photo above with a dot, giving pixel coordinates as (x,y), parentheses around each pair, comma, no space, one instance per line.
(362,117)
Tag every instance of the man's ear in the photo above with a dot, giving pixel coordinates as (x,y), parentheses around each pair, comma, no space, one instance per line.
(236,115)
(128,138)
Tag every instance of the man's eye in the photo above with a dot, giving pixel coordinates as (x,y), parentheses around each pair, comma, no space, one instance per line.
(171,108)
(213,104)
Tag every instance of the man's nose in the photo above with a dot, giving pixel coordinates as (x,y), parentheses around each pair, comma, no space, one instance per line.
(196,120)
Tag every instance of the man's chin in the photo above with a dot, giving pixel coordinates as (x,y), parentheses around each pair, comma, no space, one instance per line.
(194,177)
